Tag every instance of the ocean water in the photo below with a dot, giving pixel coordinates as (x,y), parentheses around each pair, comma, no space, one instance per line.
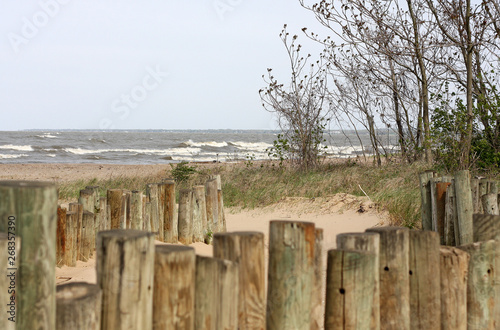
(161,146)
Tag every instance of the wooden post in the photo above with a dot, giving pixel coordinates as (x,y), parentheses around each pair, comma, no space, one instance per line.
(454,267)
(170,221)
(476,197)
(87,233)
(31,207)
(174,287)
(87,199)
(490,203)
(78,209)
(127,195)
(78,306)
(125,269)
(247,250)
(425,194)
(483,310)
(450,217)
(492,187)
(136,221)
(152,195)
(317,308)
(212,205)
(185,217)
(463,196)
(291,274)
(199,213)
(146,211)
(441,188)
(102,215)
(71,226)
(115,204)
(95,190)
(368,242)
(486,227)
(425,295)
(61,237)
(432,186)
(394,277)
(221,224)
(349,289)
(483,190)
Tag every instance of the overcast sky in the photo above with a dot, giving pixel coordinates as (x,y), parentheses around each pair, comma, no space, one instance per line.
(149,64)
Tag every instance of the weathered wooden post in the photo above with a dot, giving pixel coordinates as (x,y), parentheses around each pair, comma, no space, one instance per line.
(486,227)
(368,242)
(490,203)
(483,190)
(136,221)
(476,197)
(216,297)
(146,211)
(61,237)
(349,289)
(454,267)
(425,194)
(71,226)
(125,269)
(291,274)
(441,188)
(199,213)
(169,222)
(432,186)
(78,209)
(247,250)
(103,215)
(317,308)
(174,287)
(450,217)
(483,311)
(78,306)
(87,199)
(212,205)
(87,233)
(115,205)
(29,209)
(463,197)
(185,217)
(425,295)
(152,194)
(394,277)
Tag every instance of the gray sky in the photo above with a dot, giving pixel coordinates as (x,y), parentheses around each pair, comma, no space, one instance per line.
(150,64)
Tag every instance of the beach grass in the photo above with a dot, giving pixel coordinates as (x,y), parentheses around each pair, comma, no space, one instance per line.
(394,187)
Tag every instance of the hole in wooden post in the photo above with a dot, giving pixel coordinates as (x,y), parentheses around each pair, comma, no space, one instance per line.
(411,273)
(342,291)
(489,271)
(386,268)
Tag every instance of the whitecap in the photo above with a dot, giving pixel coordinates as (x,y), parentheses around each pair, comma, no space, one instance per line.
(18,148)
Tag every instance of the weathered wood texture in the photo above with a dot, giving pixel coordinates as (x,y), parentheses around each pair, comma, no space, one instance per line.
(441,188)
(78,209)
(185,226)
(486,227)
(425,194)
(317,308)
(463,196)
(349,289)
(152,194)
(125,269)
(476,197)
(290,275)
(103,215)
(394,277)
(247,250)
(136,221)
(483,311)
(450,217)
(170,220)
(115,204)
(425,295)
(216,297)
(146,215)
(454,267)
(34,206)
(71,226)
(78,306)
(174,287)
(199,208)
(368,242)
(61,239)
(212,205)
(490,203)
(87,235)
(220,211)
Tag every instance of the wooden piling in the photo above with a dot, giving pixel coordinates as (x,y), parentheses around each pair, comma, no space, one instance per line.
(146,211)
(483,311)
(486,227)
(174,287)
(454,267)
(441,188)
(247,250)
(368,242)
(476,197)
(78,209)
(425,194)
(212,205)
(450,217)
(463,197)
(102,215)
(349,289)
(425,294)
(61,237)
(216,297)
(78,306)
(87,234)
(136,221)
(125,269)
(71,226)
(152,194)
(394,277)
(317,308)
(490,203)
(221,224)
(170,220)
(199,208)
(185,230)
(291,274)
(32,206)
(114,198)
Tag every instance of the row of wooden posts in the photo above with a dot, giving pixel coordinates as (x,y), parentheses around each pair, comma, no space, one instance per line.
(199,214)
(385,278)
(451,206)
